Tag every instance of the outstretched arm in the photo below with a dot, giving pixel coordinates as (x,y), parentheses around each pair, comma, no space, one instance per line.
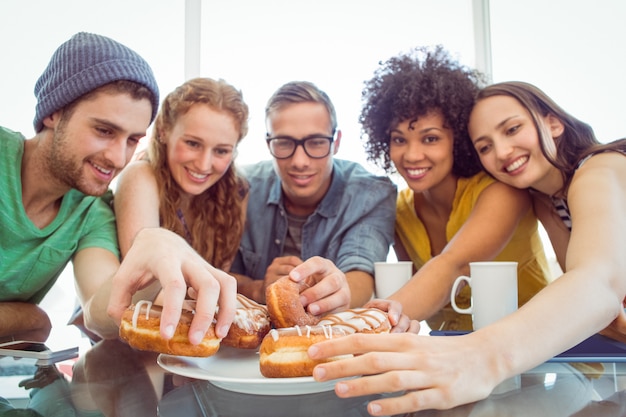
(136,203)
(158,254)
(486,232)
(153,259)
(441,372)
(361,286)
(136,207)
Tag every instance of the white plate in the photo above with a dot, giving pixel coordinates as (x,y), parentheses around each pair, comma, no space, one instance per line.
(238,370)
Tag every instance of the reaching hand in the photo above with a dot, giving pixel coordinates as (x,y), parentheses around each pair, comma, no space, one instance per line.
(158,254)
(400,322)
(329,290)
(433,372)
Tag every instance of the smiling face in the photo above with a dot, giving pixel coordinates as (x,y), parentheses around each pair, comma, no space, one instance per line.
(95,140)
(200,148)
(506,140)
(305,180)
(421,151)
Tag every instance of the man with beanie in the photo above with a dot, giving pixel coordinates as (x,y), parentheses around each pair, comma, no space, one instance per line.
(95,100)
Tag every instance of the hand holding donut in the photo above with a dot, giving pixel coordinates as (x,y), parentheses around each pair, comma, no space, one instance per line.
(328,288)
(158,254)
(401,322)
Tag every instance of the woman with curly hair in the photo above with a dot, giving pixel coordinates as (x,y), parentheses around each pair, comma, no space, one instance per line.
(414,121)
(578,188)
(186,181)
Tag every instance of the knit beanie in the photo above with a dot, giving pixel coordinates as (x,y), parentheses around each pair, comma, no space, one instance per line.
(83,63)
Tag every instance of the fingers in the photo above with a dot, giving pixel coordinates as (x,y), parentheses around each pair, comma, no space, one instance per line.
(324,298)
(313,266)
(329,290)
(406,325)
(402,324)
(393,309)
(227,302)
(289,262)
(373,354)
(174,291)
(212,286)
(125,284)
(280,267)
(360,343)
(384,368)
(410,402)
(414,327)
(177,266)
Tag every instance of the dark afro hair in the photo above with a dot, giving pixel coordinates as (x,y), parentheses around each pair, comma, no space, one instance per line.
(411,85)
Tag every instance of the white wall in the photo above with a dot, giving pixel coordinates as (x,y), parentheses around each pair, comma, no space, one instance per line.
(575,50)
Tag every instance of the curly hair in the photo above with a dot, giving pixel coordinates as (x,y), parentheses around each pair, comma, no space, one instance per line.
(411,85)
(578,139)
(215,216)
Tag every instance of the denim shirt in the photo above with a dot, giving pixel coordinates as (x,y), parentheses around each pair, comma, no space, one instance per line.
(352,226)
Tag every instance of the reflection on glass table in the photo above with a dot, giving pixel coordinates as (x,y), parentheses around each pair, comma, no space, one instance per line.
(552,389)
(111,379)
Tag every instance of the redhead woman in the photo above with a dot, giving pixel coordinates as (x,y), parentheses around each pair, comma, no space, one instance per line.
(187,182)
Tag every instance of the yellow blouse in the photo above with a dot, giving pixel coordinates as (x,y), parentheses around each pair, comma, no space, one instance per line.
(525,247)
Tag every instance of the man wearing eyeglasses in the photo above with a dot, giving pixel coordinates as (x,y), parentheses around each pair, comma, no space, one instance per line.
(330,218)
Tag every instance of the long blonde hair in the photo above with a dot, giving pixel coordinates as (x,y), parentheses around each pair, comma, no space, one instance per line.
(214,218)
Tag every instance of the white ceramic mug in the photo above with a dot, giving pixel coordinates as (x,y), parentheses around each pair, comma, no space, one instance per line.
(391,276)
(494,291)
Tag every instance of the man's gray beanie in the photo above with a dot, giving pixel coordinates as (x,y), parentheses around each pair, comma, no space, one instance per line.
(83,63)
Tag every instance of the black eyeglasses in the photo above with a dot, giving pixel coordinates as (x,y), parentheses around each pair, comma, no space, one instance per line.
(315,146)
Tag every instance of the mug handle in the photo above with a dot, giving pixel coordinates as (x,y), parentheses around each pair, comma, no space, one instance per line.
(456,284)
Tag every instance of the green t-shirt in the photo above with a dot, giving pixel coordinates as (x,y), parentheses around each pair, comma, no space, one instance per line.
(31,259)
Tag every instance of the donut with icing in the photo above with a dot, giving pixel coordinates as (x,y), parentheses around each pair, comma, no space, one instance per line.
(358,320)
(283,352)
(251,324)
(140,328)
(283,303)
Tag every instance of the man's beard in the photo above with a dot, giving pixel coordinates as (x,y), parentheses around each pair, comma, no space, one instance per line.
(66,169)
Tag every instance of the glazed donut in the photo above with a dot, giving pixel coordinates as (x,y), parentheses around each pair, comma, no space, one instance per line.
(358,320)
(251,324)
(284,306)
(140,328)
(283,352)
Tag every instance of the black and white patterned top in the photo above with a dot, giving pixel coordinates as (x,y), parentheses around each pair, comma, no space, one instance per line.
(560,205)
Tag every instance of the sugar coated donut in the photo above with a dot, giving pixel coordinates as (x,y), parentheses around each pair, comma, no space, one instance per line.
(140,328)
(251,324)
(358,320)
(284,306)
(283,352)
